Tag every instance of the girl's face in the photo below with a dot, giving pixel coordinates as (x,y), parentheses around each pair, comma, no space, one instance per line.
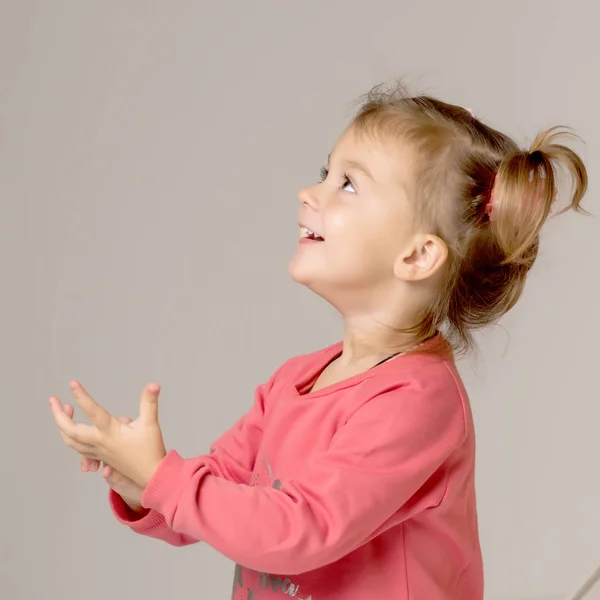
(360,220)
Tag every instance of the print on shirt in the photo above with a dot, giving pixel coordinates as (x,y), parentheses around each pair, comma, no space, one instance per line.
(275,483)
(267,582)
(267,479)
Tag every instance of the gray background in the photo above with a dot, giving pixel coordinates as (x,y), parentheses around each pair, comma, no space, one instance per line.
(150,155)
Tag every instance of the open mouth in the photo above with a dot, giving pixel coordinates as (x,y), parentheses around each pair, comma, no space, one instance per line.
(307,234)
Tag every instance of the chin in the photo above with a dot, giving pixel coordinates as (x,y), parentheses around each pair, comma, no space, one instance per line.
(304,273)
(310,280)
(299,273)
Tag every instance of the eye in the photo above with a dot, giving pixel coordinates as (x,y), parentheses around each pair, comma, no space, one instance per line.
(348,185)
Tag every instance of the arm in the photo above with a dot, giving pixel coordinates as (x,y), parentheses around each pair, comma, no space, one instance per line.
(231,458)
(375,464)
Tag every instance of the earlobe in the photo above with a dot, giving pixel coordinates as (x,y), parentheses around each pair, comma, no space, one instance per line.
(422,260)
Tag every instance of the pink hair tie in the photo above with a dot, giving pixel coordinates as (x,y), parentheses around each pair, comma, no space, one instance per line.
(489,210)
(471,112)
(489,207)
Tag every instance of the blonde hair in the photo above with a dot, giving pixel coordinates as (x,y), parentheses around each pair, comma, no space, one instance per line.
(479,192)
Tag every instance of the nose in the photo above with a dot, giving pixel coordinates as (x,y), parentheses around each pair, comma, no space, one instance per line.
(308,198)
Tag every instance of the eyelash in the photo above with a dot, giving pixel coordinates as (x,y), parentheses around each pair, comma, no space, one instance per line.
(325,173)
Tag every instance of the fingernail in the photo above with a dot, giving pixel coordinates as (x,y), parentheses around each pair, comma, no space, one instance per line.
(73,385)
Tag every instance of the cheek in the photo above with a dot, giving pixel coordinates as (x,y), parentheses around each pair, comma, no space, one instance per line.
(364,233)
(369,242)
(336,221)
(343,223)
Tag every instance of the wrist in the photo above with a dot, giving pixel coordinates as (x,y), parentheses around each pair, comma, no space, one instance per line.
(149,471)
(134,507)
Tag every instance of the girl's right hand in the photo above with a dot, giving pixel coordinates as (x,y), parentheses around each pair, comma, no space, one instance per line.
(127,489)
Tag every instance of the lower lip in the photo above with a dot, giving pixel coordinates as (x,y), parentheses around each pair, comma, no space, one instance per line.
(309,241)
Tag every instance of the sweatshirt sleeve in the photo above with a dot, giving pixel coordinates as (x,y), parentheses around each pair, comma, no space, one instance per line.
(376,462)
(231,457)
(148,522)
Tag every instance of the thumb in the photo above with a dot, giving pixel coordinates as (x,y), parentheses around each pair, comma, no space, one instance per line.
(149,404)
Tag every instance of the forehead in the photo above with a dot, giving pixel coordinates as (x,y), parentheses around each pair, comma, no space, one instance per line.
(387,160)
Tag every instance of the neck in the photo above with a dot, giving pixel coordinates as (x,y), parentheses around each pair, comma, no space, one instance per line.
(376,321)
(367,339)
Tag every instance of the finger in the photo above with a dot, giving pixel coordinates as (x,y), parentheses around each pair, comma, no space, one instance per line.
(89,465)
(78,432)
(125,420)
(114,477)
(149,404)
(67,409)
(64,420)
(99,416)
(85,450)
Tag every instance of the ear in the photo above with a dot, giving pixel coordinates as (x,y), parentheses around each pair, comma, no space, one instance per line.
(422,259)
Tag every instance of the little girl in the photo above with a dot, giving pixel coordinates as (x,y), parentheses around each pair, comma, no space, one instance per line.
(352,476)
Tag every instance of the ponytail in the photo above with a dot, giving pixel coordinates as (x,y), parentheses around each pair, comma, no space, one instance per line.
(525,190)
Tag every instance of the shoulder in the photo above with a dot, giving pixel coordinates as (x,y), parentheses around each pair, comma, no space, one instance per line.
(434,376)
(422,387)
(430,373)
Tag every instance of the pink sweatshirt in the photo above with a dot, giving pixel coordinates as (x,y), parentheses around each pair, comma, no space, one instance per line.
(362,490)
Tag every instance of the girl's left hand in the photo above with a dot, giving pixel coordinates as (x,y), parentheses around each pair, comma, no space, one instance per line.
(133,449)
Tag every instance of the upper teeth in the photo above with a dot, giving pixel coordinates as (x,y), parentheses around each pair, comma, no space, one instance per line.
(307,231)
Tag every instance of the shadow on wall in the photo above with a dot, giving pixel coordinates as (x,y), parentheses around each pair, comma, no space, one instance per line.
(596,597)
(592,594)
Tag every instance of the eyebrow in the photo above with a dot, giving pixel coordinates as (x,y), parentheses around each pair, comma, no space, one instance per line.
(356,166)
